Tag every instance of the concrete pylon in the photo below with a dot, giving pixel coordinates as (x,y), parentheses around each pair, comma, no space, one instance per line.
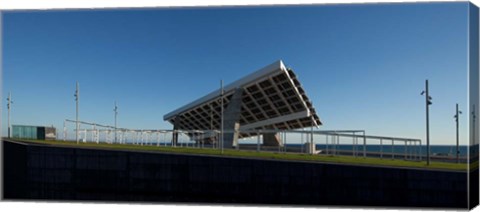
(272,139)
(231,119)
(175,134)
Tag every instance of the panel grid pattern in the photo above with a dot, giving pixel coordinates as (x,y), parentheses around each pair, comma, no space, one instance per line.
(274,96)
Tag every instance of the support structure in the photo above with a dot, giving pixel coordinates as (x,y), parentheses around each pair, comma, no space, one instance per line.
(427,104)
(271,98)
(231,122)
(115,110)
(9,104)
(77,99)
(175,134)
(457,152)
(272,139)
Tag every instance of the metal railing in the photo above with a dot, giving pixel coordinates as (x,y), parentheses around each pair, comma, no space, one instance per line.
(330,142)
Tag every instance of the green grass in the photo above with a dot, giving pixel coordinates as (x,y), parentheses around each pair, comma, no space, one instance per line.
(271,155)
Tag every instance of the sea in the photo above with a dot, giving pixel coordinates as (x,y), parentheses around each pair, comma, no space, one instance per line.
(441,150)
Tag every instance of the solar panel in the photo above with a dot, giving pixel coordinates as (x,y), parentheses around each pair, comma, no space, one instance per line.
(272,98)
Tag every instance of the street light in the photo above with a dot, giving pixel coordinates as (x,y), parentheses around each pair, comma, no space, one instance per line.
(456,120)
(9,103)
(116,112)
(428,102)
(474,116)
(221,96)
(211,123)
(77,99)
(311,130)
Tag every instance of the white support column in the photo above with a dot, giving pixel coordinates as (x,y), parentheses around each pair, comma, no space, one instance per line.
(353,145)
(97,135)
(165,139)
(148,138)
(393,155)
(258,142)
(64,130)
(77,99)
(364,145)
(139,138)
(85,135)
(381,148)
(134,136)
(180,139)
(93,133)
(108,138)
(326,144)
(121,138)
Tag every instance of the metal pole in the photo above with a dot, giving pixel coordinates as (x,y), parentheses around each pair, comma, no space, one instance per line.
(393,155)
(9,102)
(311,137)
(474,116)
(258,142)
(203,140)
(64,130)
(335,142)
(77,99)
(301,142)
(420,151)
(93,133)
(381,148)
(415,150)
(221,135)
(411,145)
(326,143)
(353,144)
(115,112)
(427,102)
(364,145)
(356,146)
(211,125)
(456,120)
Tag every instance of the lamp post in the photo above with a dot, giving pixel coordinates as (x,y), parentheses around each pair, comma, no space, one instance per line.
(311,130)
(457,113)
(474,116)
(9,103)
(211,123)
(115,112)
(428,102)
(311,136)
(77,99)
(221,107)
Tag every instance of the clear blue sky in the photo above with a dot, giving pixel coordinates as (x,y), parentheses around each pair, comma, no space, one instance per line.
(363,66)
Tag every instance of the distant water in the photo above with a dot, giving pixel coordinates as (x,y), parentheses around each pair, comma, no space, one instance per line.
(434,149)
(399,149)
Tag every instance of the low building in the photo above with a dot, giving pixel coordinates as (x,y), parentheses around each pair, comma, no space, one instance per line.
(34,132)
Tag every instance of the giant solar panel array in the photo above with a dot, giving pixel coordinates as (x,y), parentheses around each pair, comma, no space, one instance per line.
(274,100)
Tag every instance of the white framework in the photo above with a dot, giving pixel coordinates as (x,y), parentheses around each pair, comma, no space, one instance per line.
(273,98)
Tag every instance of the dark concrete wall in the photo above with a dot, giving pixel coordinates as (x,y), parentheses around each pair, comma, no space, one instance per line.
(43,172)
(474,188)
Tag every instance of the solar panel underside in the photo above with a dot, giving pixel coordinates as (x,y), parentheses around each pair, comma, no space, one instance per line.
(273,101)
